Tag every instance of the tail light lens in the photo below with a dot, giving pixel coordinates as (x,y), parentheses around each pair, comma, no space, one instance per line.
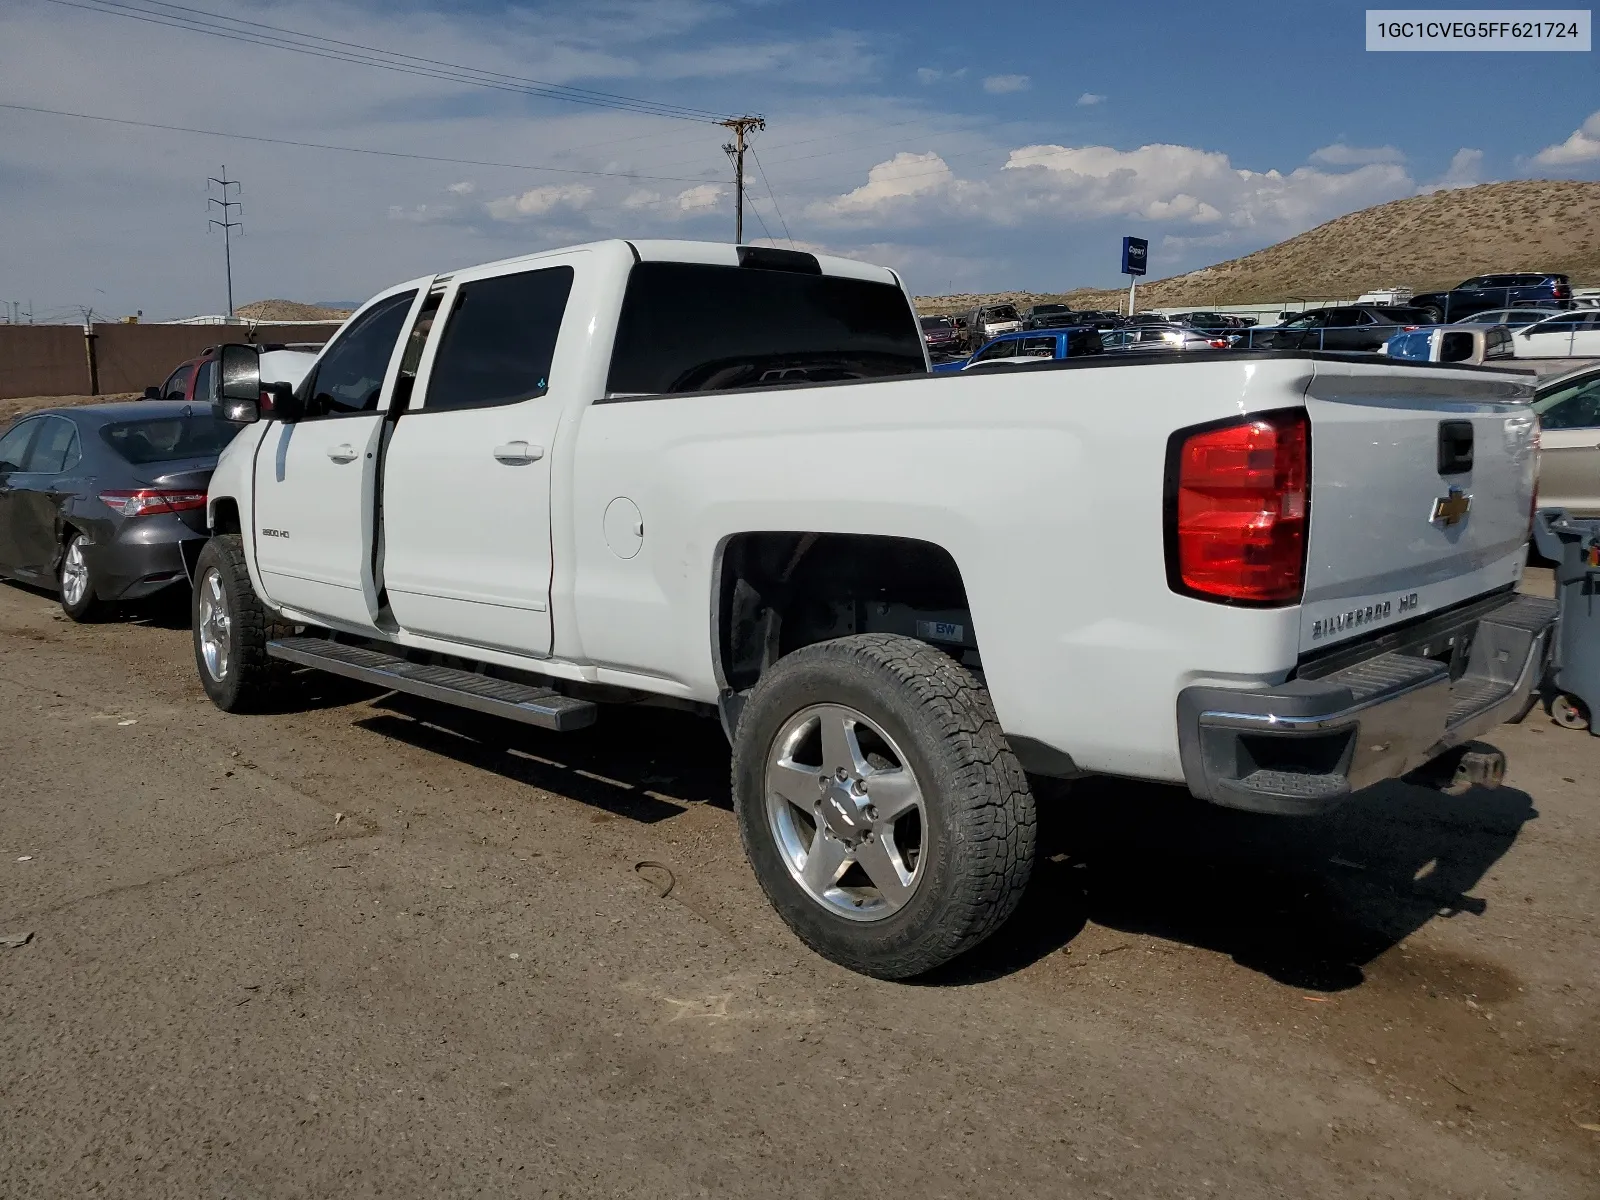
(1238,505)
(1562,291)
(152,500)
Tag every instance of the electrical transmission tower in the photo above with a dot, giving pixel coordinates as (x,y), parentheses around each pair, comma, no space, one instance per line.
(735,151)
(227,224)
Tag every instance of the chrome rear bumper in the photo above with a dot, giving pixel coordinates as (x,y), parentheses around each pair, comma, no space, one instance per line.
(1307,744)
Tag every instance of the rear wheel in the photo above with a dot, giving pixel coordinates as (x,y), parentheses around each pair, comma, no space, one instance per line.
(882,811)
(1433,313)
(77,583)
(231,628)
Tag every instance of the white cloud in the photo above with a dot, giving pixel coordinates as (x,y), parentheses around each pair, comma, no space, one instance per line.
(1090,99)
(1001,84)
(465,188)
(1340,155)
(1465,170)
(902,176)
(539,201)
(934,74)
(643,198)
(698,199)
(1583,146)
(1175,185)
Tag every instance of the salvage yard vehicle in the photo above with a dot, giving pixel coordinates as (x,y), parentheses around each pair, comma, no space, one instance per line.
(1361,327)
(1569,441)
(106,502)
(989,321)
(1574,334)
(722,478)
(1483,292)
(1139,339)
(1030,347)
(1452,344)
(941,335)
(195,380)
(1514,318)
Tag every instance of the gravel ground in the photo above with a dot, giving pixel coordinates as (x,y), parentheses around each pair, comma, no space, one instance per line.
(379,947)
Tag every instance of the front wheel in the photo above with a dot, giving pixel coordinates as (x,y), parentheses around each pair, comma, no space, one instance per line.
(880,806)
(231,628)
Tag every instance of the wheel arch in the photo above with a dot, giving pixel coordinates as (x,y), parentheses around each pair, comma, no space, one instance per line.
(775,591)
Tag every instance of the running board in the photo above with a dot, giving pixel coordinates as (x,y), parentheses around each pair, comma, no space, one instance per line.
(544,707)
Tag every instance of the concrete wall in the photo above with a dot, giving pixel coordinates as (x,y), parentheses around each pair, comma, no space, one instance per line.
(54,360)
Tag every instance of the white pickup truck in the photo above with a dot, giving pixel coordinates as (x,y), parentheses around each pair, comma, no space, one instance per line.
(722,478)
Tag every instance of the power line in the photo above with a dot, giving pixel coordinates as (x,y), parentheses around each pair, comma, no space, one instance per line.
(317,46)
(255,137)
(774,196)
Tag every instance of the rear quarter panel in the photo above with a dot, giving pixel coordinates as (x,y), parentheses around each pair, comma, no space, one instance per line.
(1045,486)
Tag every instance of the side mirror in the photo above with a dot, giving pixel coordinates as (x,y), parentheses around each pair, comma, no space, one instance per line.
(281,403)
(238,397)
(151,393)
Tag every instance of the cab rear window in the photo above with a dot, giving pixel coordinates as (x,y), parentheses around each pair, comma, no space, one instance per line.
(693,327)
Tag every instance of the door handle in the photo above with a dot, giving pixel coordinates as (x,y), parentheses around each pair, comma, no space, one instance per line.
(518,454)
(342,453)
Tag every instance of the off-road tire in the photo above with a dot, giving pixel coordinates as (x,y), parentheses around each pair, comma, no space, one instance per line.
(980,837)
(1433,312)
(252,681)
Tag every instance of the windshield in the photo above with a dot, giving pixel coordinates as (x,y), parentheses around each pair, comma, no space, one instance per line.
(1001,312)
(168,439)
(1046,310)
(689,327)
(929,323)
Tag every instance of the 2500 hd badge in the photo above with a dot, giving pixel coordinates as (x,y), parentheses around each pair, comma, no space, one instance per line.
(1356,617)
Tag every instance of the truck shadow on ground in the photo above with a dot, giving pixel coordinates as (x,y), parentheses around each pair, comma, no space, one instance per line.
(1309,902)
(642,763)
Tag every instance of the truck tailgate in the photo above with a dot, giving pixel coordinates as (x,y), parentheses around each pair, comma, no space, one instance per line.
(1422,484)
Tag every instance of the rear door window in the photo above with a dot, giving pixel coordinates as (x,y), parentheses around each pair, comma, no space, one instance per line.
(688,327)
(500,340)
(14,445)
(1455,346)
(55,449)
(1039,347)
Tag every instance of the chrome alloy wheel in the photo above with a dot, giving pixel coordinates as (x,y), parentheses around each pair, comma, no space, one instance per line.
(213,624)
(846,812)
(74,574)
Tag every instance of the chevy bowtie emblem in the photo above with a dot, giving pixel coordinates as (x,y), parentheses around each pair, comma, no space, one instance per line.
(1451,509)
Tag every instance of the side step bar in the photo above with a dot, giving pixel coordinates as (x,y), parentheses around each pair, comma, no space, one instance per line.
(543,707)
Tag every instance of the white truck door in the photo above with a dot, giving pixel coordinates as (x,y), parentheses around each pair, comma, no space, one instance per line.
(466,476)
(314,479)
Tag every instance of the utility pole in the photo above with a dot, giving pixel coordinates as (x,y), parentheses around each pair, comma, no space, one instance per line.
(735,151)
(227,224)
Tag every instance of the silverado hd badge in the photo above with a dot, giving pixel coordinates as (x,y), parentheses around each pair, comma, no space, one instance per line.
(1451,508)
(1368,614)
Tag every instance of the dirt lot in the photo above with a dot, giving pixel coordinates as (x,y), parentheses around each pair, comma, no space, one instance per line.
(375,947)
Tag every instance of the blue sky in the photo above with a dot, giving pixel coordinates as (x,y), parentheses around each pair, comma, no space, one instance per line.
(969,148)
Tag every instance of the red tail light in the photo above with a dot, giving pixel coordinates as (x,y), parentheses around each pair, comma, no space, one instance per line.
(1562,291)
(152,500)
(1238,504)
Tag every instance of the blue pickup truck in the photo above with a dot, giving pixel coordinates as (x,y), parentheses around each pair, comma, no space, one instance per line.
(1030,346)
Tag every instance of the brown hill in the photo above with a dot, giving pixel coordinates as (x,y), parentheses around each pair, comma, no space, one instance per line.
(289,310)
(1422,242)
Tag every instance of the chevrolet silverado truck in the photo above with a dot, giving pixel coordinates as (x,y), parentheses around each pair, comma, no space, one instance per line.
(722,478)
